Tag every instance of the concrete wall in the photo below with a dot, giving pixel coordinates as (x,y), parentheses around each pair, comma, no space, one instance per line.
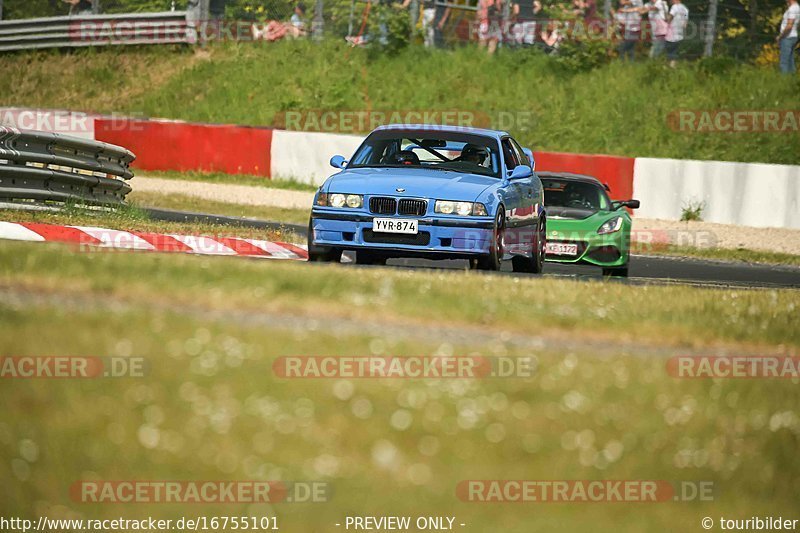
(305,156)
(747,194)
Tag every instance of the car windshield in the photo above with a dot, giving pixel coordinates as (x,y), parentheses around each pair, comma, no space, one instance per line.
(435,150)
(576,194)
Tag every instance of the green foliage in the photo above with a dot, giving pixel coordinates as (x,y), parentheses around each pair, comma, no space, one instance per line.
(614,108)
(692,211)
(577,56)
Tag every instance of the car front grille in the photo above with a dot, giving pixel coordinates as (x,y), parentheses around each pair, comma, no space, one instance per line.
(423,238)
(605,254)
(412,207)
(381,205)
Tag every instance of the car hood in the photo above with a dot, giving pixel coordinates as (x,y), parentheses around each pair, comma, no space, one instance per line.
(419,183)
(570,213)
(579,222)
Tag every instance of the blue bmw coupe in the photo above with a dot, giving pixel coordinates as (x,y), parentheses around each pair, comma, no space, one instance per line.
(437,192)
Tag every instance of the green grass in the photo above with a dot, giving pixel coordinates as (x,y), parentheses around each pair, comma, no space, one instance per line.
(235,179)
(672,315)
(211,408)
(615,109)
(182,202)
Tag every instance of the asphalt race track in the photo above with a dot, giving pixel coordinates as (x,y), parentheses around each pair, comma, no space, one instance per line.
(643,269)
(660,269)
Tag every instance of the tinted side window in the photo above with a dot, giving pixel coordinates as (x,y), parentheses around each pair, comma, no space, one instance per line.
(508,154)
(524,159)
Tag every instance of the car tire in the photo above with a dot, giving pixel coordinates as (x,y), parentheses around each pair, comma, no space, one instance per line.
(616,272)
(535,263)
(494,259)
(364,257)
(321,254)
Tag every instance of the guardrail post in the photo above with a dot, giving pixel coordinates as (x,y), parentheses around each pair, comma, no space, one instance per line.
(711,29)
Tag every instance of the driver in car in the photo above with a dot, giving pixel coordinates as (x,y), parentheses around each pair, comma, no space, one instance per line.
(473,154)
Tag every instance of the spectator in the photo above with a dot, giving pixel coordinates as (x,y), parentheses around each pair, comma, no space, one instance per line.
(787,39)
(631,19)
(678,18)
(657,12)
(490,13)
(551,39)
(274,30)
(298,20)
(429,22)
(524,13)
(442,14)
(80,7)
(585,9)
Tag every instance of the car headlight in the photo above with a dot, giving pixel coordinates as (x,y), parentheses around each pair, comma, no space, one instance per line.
(464,209)
(610,226)
(340,200)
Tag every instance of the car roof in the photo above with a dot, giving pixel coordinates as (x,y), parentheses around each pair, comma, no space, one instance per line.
(569,176)
(495,134)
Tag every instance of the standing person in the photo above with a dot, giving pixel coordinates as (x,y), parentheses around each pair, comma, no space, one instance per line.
(787,39)
(79,7)
(525,26)
(442,14)
(631,17)
(678,18)
(657,12)
(490,13)
(429,22)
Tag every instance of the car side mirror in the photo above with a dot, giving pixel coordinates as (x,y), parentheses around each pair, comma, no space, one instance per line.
(521,172)
(632,204)
(338,161)
(529,153)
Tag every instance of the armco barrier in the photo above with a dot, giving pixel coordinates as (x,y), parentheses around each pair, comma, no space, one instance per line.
(49,167)
(746,194)
(167,145)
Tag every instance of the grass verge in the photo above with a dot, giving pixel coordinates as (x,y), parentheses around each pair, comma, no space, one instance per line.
(182,202)
(233,179)
(576,113)
(211,408)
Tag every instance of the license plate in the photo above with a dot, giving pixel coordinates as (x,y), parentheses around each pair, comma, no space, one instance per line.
(395,225)
(559,248)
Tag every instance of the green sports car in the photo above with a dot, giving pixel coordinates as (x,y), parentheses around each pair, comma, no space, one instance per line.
(583,225)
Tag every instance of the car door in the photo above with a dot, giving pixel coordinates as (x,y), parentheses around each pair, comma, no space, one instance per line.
(515,193)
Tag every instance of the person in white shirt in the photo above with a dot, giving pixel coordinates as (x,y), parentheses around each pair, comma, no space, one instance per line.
(630,12)
(787,39)
(678,18)
(657,12)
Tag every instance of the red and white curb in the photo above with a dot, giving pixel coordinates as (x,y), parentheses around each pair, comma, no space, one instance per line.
(151,242)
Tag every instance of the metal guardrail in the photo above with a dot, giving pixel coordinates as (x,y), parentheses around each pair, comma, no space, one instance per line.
(50,167)
(170,27)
